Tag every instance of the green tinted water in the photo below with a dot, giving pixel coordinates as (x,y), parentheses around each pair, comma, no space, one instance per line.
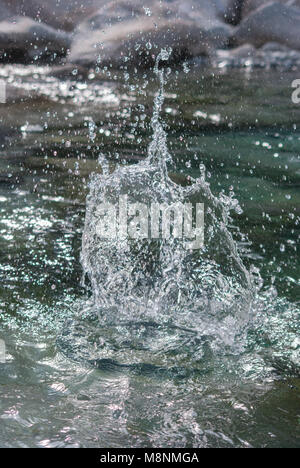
(245,130)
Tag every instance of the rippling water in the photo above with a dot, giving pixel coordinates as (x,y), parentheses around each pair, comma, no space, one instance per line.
(220,370)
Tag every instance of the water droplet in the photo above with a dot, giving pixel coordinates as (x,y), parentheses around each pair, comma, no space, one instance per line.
(147,10)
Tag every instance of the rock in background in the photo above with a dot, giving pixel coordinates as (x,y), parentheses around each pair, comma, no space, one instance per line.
(237,10)
(60,14)
(273,22)
(23,39)
(251,5)
(113,33)
(123,31)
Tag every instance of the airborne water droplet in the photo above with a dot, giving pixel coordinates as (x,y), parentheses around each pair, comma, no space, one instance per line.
(147,11)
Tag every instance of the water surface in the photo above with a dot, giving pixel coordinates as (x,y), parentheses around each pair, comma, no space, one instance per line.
(71,380)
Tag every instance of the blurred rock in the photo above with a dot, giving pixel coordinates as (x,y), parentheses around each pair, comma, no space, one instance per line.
(273,22)
(251,5)
(62,14)
(23,39)
(131,33)
(237,10)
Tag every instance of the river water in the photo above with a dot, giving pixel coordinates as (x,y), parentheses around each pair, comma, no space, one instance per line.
(218,370)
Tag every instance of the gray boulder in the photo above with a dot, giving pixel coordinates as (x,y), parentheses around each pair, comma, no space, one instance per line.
(61,14)
(24,39)
(128,32)
(273,22)
(237,10)
(251,5)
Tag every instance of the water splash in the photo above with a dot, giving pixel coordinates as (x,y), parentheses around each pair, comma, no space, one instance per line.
(208,292)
